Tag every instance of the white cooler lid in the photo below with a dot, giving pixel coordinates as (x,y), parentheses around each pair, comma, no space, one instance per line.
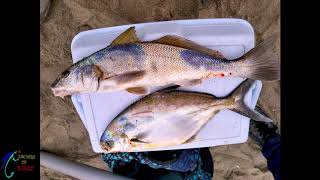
(232,37)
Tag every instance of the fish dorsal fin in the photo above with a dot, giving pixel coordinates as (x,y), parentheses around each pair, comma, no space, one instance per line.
(178,41)
(128,36)
(167,89)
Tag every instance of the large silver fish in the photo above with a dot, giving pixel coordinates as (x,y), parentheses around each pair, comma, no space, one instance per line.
(170,117)
(135,66)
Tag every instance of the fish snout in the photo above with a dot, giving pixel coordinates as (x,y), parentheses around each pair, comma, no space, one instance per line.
(105,147)
(57,91)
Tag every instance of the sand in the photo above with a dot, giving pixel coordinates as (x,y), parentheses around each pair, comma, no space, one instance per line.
(62,131)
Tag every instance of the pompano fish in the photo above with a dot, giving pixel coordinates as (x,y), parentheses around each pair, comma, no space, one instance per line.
(170,117)
(135,66)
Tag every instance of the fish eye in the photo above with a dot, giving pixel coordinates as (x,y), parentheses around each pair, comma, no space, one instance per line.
(65,74)
(109,143)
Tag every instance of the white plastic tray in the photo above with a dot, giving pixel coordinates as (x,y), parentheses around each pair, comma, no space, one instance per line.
(232,37)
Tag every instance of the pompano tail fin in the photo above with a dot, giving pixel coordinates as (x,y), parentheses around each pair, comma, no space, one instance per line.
(261,63)
(241,108)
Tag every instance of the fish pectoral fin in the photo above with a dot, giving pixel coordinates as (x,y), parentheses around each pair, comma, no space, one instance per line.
(129,77)
(189,82)
(187,44)
(138,90)
(138,141)
(128,36)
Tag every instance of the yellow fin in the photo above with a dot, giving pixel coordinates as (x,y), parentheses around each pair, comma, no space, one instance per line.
(187,44)
(138,90)
(128,36)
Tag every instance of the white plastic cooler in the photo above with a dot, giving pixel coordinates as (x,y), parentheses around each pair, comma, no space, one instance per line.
(232,37)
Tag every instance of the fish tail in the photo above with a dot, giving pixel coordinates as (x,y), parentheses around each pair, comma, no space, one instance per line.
(261,63)
(241,108)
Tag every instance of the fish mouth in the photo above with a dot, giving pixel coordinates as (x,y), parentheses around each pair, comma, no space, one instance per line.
(105,147)
(59,92)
